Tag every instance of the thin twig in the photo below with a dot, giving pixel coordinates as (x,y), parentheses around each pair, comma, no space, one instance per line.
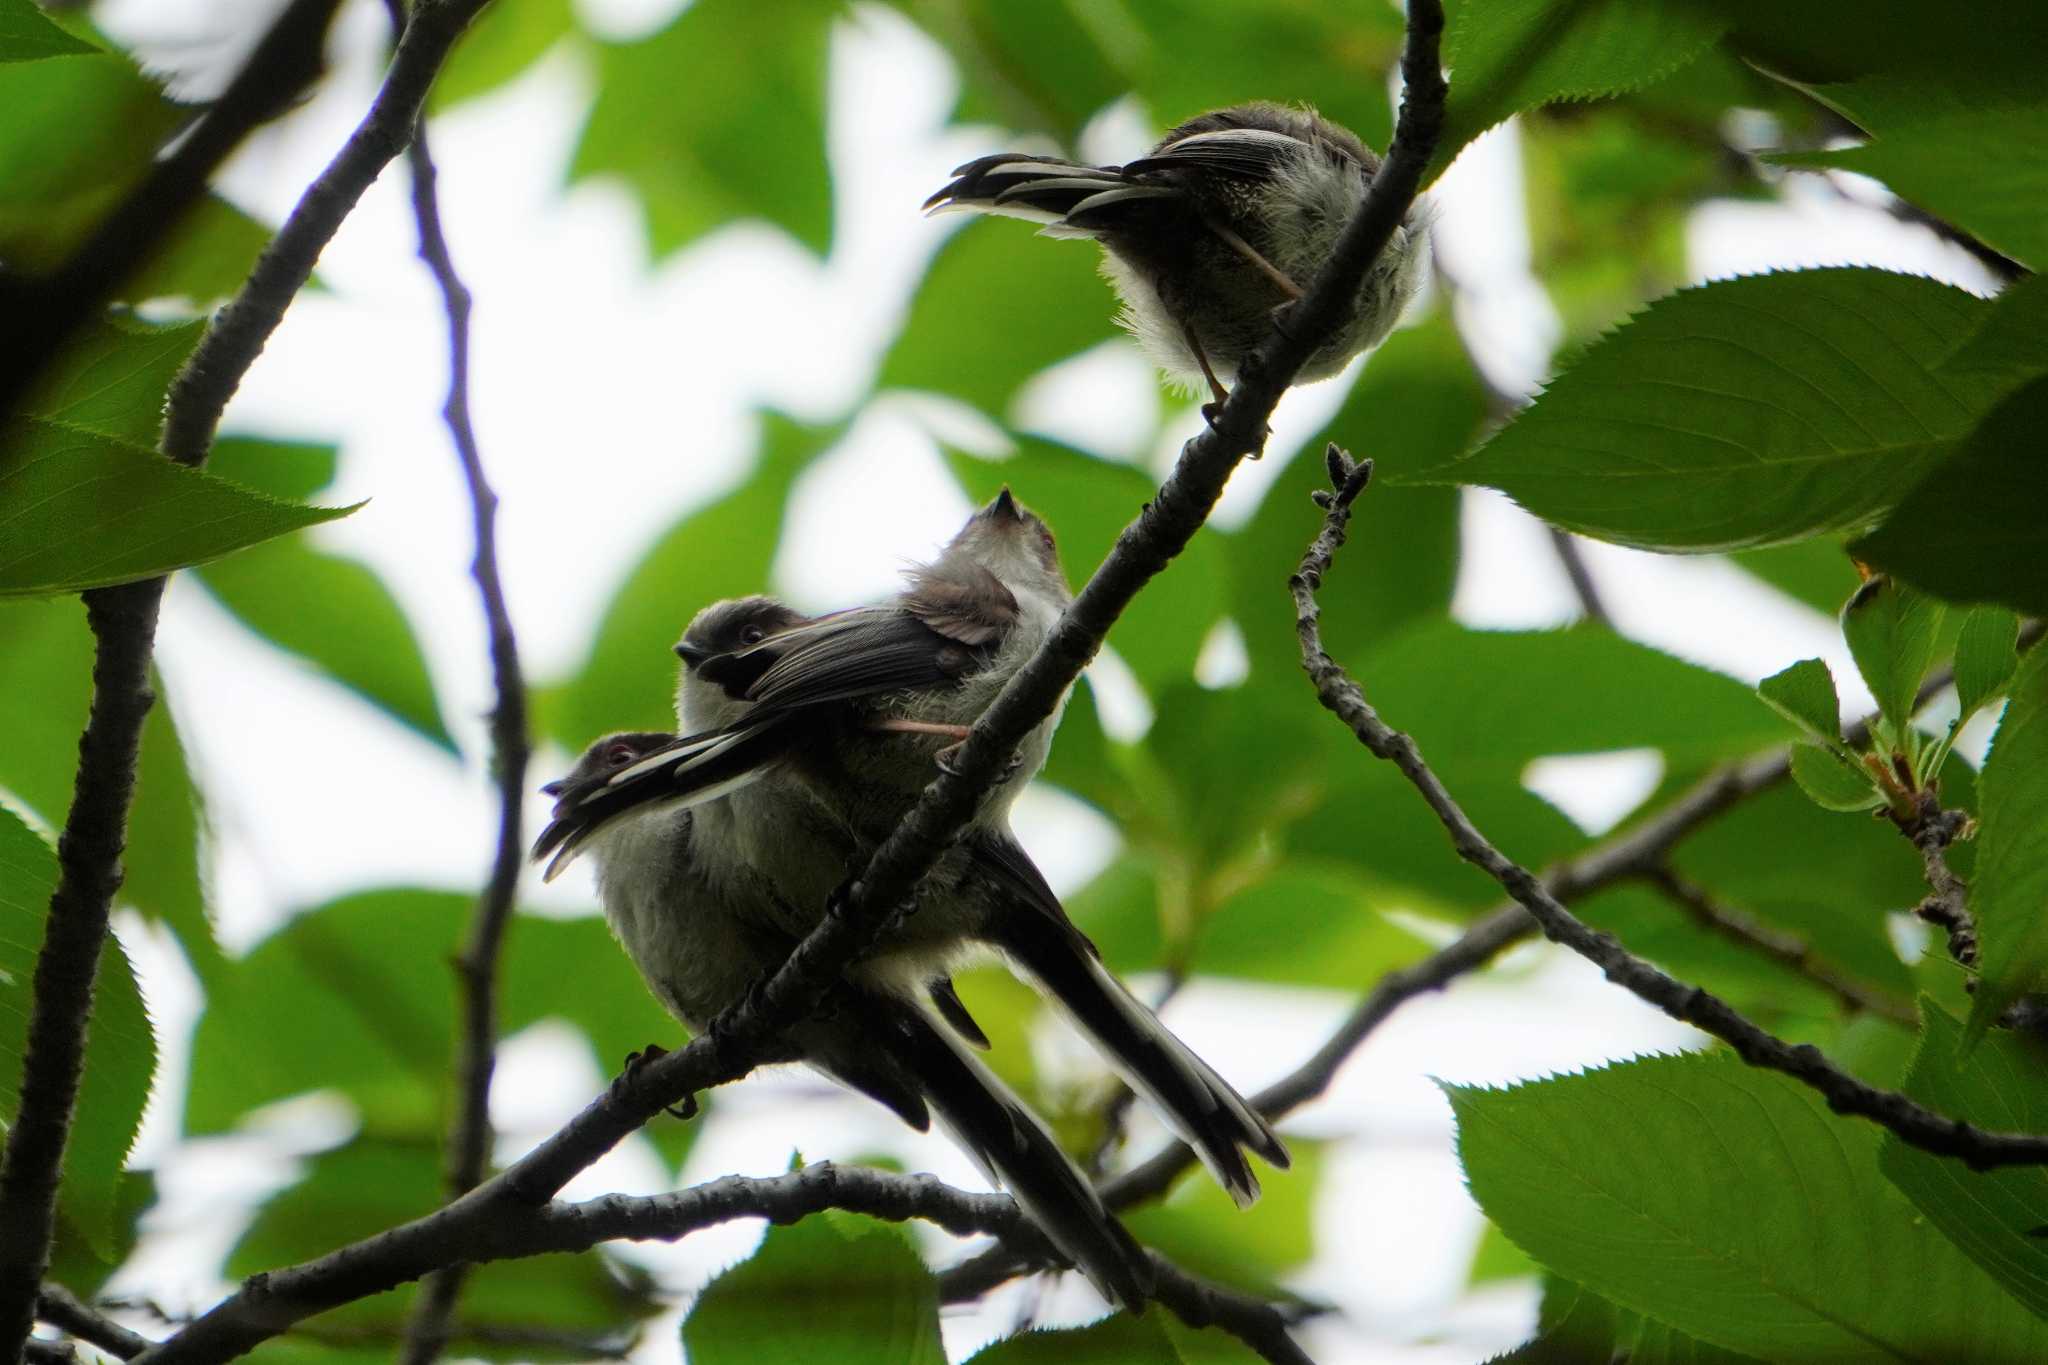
(1790,949)
(1580,574)
(1931,830)
(1845,1094)
(468,1147)
(61,1309)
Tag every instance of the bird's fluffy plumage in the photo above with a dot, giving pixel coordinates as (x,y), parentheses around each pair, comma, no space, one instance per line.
(1281,182)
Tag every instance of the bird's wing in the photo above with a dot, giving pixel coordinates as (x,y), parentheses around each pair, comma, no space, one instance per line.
(1248,153)
(861,654)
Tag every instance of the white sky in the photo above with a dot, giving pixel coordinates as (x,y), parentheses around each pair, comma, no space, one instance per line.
(609,398)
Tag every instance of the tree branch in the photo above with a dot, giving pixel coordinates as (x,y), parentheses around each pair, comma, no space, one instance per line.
(1931,830)
(123,621)
(1922,1128)
(1789,949)
(61,1309)
(270,1303)
(469,1136)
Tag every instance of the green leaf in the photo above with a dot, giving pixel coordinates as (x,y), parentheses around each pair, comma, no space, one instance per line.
(204,260)
(499,44)
(120,1049)
(719,116)
(1831,782)
(1893,632)
(111,379)
(832,1287)
(1121,1340)
(1089,501)
(1507,56)
(723,549)
(1829,880)
(26,35)
(354,996)
(372,1184)
(1039,68)
(1496,1258)
(1744,413)
(83,1264)
(97,125)
(1211,802)
(2009,889)
(1052,302)
(574,971)
(1197,55)
(89,512)
(1307,924)
(1986,655)
(2011,347)
(1584,690)
(46,657)
(1805,695)
(1819,572)
(292,470)
(1626,1180)
(1971,531)
(335,613)
(1418,403)
(1201,1230)
(1820,43)
(1575,1326)
(1993,1216)
(1973,155)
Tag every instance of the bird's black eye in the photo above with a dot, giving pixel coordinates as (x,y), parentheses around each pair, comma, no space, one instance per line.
(752,635)
(618,751)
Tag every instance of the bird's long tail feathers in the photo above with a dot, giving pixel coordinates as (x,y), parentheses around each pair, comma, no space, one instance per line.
(1070,198)
(1015,1151)
(1201,1108)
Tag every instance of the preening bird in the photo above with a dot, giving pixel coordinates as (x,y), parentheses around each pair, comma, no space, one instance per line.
(700,926)
(820,757)
(1226,220)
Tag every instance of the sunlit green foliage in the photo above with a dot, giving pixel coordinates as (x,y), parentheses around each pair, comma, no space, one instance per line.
(1815,422)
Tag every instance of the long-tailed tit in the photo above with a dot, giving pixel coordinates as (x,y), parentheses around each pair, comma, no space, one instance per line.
(1227,219)
(820,763)
(695,925)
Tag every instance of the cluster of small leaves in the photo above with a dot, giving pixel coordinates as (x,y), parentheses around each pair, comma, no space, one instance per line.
(1678,1208)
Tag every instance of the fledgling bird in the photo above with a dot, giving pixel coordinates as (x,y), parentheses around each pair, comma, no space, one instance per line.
(691,918)
(720,664)
(815,769)
(1226,220)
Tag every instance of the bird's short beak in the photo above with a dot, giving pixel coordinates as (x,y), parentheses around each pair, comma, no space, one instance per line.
(554,788)
(1004,506)
(691,654)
